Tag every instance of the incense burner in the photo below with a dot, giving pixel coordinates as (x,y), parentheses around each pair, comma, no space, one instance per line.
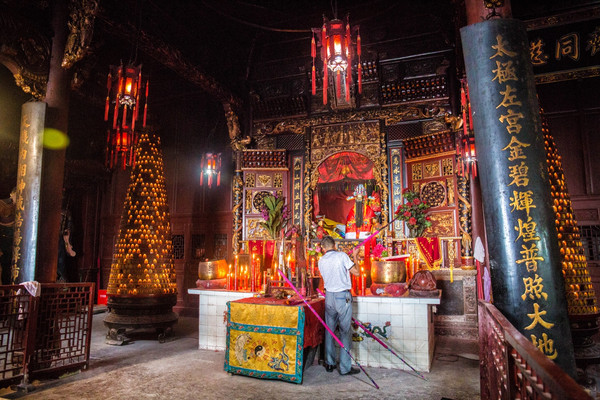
(215,269)
(388,271)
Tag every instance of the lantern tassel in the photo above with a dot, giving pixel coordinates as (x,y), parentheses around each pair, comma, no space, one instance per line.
(314,80)
(124,121)
(468,105)
(348,77)
(463,102)
(338,83)
(106,107)
(324,57)
(359,72)
(146,104)
(116,112)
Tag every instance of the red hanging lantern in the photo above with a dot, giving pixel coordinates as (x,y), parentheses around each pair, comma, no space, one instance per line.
(336,53)
(124,97)
(210,169)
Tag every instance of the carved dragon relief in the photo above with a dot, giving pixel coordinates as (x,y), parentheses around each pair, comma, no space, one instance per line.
(26,53)
(390,115)
(82,14)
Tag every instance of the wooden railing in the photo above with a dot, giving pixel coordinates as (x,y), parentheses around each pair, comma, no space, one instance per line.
(46,334)
(511,367)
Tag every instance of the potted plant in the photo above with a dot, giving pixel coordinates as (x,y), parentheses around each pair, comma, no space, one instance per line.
(275,214)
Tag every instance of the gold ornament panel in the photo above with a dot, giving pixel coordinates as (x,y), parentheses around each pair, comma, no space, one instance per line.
(447,167)
(434,193)
(254,231)
(390,115)
(250,180)
(417,171)
(278,180)
(263,180)
(450,191)
(442,223)
(258,200)
(360,137)
(431,169)
(363,137)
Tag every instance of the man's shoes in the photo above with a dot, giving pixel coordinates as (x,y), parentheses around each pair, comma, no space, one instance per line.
(353,371)
(329,368)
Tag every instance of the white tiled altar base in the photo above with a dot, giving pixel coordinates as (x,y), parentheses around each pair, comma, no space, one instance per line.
(212,322)
(410,334)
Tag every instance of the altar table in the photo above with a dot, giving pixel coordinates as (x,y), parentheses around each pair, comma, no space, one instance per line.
(270,339)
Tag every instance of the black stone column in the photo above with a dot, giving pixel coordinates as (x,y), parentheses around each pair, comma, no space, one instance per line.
(525,264)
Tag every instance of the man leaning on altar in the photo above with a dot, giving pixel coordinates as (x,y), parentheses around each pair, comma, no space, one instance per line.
(360,217)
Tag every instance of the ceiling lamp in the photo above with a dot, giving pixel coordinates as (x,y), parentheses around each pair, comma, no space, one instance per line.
(125,96)
(211,168)
(336,53)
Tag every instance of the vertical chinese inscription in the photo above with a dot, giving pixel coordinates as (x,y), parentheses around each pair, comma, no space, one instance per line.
(505,80)
(297,190)
(396,168)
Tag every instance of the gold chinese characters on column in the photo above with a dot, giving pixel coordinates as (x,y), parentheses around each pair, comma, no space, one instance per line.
(521,200)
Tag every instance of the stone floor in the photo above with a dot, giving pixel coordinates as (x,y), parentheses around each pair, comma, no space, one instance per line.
(176,369)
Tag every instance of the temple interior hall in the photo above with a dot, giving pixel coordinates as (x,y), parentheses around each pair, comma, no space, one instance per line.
(176,179)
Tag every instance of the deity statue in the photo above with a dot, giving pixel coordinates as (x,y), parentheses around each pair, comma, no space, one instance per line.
(360,217)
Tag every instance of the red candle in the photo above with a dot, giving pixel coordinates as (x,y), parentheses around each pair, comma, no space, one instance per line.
(362,281)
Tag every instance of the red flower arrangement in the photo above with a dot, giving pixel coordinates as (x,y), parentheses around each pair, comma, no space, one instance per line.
(414,213)
(379,251)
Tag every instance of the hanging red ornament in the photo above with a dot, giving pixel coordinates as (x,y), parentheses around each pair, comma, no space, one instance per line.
(337,56)
(124,91)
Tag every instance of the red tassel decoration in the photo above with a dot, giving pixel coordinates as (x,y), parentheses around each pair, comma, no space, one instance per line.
(314,80)
(338,83)
(469,107)
(146,104)
(124,122)
(131,153)
(359,53)
(313,54)
(133,118)
(348,86)
(107,105)
(324,57)
(359,72)
(463,102)
(116,112)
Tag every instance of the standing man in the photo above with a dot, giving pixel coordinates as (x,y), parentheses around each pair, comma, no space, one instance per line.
(336,267)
